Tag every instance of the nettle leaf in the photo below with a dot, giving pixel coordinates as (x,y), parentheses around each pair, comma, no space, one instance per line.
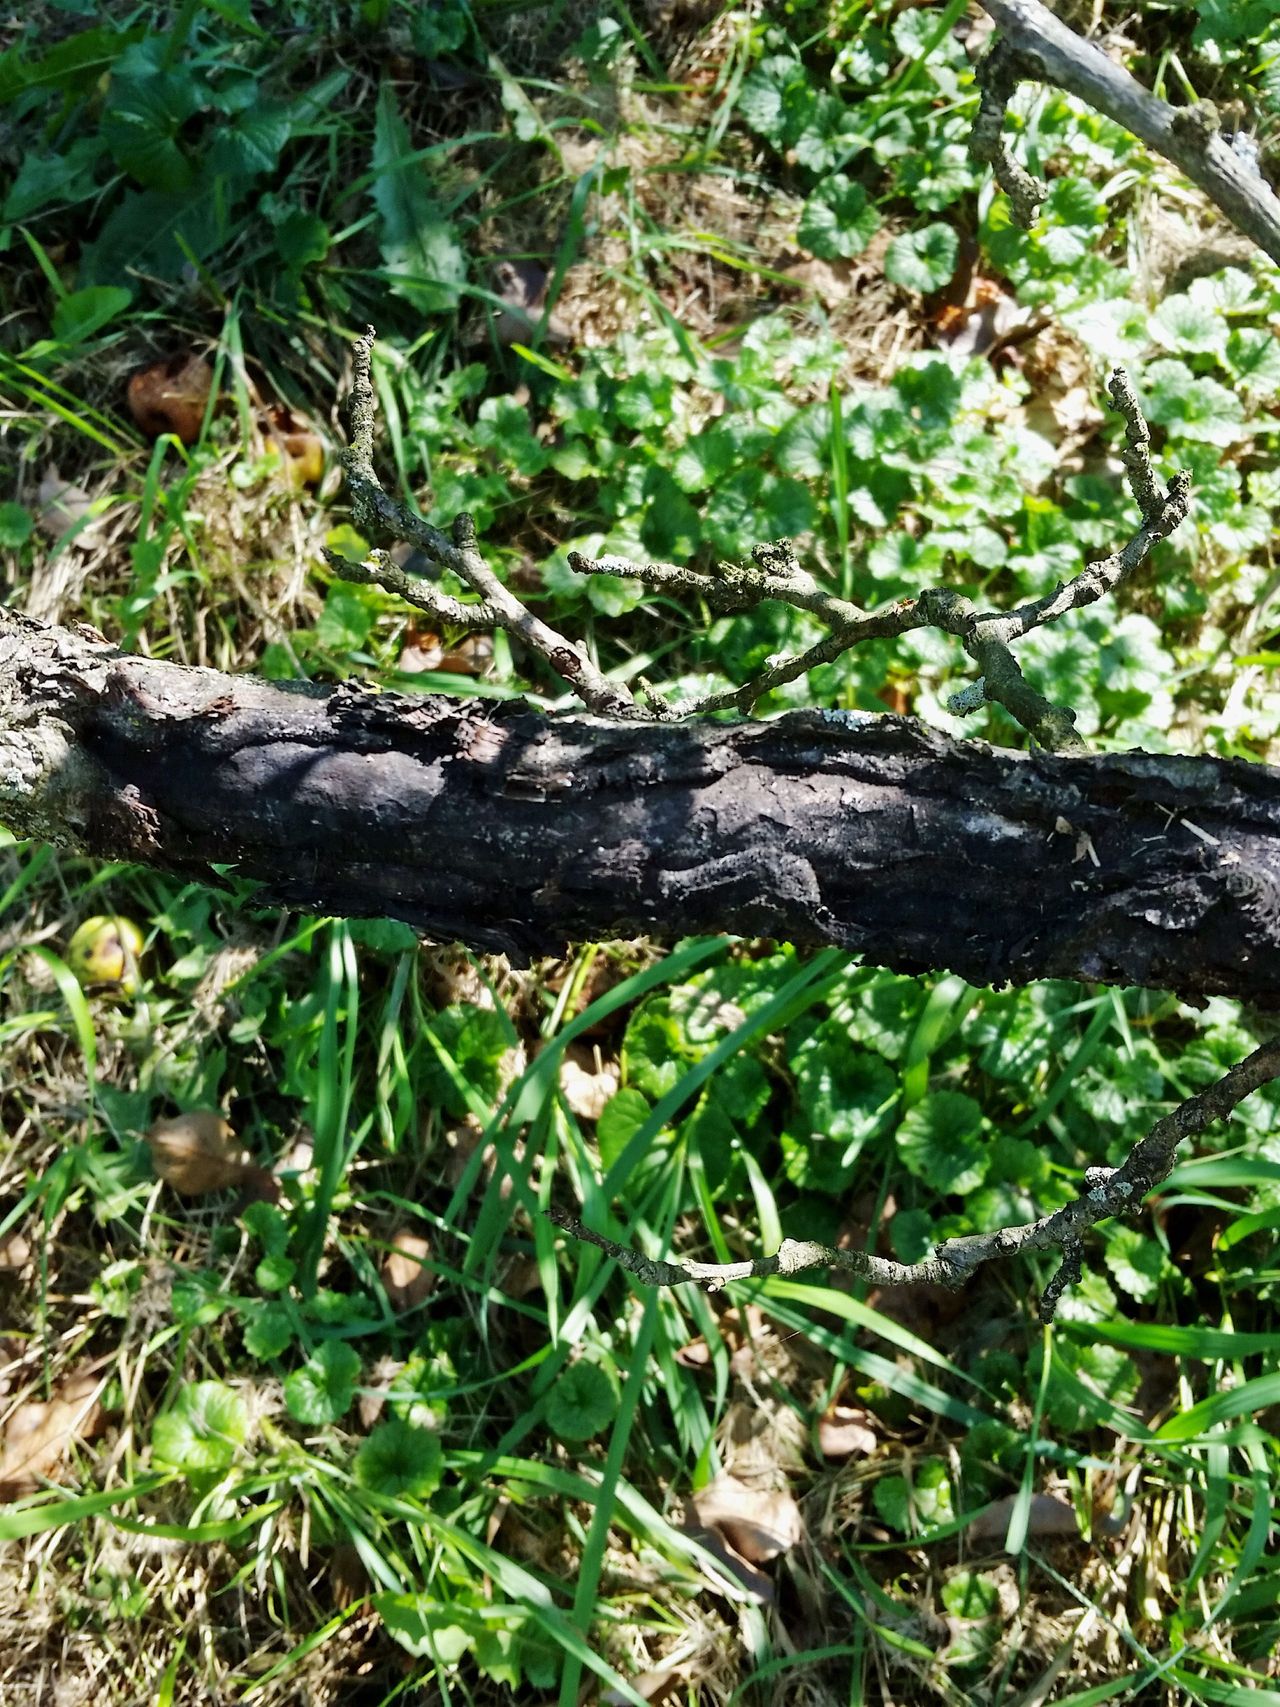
(141,121)
(401,1460)
(322,1390)
(203,1430)
(475,1041)
(838,220)
(922,260)
(583,1402)
(845,1098)
(420,246)
(941,1140)
(252,144)
(61,179)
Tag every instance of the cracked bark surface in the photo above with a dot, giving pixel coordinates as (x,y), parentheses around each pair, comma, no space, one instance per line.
(490,823)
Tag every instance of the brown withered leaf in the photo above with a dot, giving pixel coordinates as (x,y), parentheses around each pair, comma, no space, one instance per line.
(738,1330)
(62,506)
(171,397)
(15,1250)
(658,1685)
(1049,1516)
(846,1432)
(373,1395)
(301,449)
(587,1081)
(405,1275)
(197,1152)
(38,1434)
(758,1524)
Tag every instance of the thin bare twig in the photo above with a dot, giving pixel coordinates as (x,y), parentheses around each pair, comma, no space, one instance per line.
(1039,46)
(375,511)
(1107,1192)
(986,635)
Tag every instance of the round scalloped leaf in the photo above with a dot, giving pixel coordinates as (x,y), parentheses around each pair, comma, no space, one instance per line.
(838,220)
(941,1141)
(322,1390)
(399,1459)
(582,1403)
(922,260)
(203,1430)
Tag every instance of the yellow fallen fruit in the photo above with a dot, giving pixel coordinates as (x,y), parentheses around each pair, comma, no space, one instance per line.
(105,950)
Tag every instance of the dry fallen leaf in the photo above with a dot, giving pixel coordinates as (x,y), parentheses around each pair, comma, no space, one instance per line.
(846,1432)
(740,1333)
(38,1434)
(373,1395)
(587,1081)
(657,1685)
(171,397)
(404,1273)
(1048,1516)
(15,1250)
(62,505)
(757,1523)
(197,1152)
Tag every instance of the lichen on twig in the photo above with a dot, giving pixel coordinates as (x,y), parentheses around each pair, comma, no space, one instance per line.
(1106,1192)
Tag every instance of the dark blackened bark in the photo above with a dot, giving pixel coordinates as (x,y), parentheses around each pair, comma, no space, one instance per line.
(492,824)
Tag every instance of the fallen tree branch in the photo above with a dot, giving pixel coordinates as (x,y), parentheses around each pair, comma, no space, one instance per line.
(1106,1192)
(489,823)
(1036,45)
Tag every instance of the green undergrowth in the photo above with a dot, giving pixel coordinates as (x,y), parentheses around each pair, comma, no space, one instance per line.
(375,1431)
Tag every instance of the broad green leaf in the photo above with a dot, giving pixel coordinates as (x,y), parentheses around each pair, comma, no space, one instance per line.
(420,247)
(203,1430)
(941,1141)
(583,1402)
(268,1331)
(838,220)
(400,1459)
(82,313)
(922,260)
(321,1391)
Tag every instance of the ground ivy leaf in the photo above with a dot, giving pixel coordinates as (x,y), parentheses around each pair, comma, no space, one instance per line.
(322,1390)
(922,260)
(838,220)
(203,1430)
(941,1141)
(582,1403)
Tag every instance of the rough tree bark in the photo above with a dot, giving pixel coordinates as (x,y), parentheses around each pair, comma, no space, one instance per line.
(492,824)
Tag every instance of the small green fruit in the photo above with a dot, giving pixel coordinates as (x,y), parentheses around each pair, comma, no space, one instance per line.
(105,950)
